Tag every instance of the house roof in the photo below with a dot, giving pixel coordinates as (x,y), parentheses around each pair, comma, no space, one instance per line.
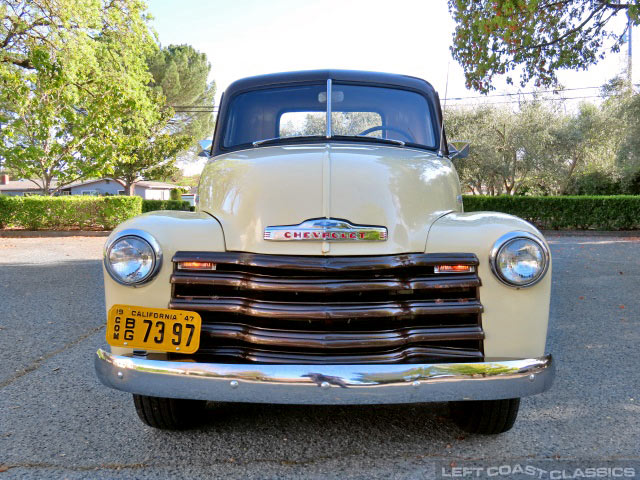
(24,185)
(89,182)
(29,185)
(157,185)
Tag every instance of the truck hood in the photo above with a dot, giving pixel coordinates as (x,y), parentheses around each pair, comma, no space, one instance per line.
(402,189)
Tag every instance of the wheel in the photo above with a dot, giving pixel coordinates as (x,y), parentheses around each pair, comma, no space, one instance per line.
(487,417)
(168,413)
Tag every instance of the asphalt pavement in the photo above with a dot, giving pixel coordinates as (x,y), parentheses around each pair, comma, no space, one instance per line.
(58,421)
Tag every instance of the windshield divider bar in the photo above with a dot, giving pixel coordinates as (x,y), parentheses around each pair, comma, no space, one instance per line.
(329,108)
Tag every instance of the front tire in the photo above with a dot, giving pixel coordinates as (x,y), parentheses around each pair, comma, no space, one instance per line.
(487,417)
(168,413)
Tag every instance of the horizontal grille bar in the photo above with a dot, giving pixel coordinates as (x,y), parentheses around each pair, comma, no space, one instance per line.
(320,311)
(270,283)
(339,340)
(409,355)
(328,264)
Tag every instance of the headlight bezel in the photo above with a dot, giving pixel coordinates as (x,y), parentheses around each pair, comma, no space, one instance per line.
(140,235)
(507,239)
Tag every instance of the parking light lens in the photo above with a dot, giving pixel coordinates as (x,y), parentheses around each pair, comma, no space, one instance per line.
(453,269)
(196,266)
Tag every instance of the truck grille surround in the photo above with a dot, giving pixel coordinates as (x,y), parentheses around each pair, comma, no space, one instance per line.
(283,309)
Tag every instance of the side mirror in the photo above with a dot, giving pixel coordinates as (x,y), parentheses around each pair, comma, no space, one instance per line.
(458,149)
(206,148)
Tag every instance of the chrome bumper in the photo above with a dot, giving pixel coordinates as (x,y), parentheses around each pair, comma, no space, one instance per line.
(326,384)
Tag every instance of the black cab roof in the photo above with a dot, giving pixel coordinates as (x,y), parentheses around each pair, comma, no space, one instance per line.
(348,76)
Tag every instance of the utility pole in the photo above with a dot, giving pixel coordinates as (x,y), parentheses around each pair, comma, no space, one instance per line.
(629,51)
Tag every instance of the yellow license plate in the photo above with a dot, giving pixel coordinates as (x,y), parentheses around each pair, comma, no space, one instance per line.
(157,329)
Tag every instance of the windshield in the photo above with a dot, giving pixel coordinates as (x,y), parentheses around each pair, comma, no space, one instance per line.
(286,113)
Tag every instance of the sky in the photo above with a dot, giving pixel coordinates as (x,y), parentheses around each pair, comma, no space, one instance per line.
(250,37)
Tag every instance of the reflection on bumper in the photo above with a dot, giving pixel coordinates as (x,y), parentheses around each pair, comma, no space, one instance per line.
(327,384)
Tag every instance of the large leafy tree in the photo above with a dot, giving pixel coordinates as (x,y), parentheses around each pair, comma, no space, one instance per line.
(510,151)
(585,141)
(479,171)
(150,145)
(71,74)
(493,37)
(145,149)
(180,73)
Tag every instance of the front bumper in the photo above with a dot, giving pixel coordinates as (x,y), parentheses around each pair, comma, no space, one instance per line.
(326,384)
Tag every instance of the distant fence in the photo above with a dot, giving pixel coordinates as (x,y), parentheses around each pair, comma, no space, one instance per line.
(615,212)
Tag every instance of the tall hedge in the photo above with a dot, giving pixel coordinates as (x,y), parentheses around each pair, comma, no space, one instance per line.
(617,212)
(151,205)
(84,212)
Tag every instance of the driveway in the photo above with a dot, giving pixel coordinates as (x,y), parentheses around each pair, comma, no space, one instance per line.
(57,421)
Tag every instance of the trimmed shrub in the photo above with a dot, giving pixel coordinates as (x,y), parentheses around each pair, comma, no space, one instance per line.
(175,194)
(596,183)
(619,212)
(7,207)
(151,205)
(56,213)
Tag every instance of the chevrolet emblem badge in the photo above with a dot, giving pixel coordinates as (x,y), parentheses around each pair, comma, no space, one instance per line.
(325,229)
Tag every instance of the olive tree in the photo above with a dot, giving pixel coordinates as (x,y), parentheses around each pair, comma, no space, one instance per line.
(510,150)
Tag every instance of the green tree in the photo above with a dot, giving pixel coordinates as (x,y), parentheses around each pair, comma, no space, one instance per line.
(180,73)
(510,151)
(628,155)
(71,73)
(145,150)
(493,37)
(585,141)
(479,171)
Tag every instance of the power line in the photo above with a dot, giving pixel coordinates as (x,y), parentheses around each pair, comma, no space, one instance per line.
(558,90)
(194,108)
(561,99)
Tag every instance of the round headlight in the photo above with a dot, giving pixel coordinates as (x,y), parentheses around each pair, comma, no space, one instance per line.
(519,259)
(133,257)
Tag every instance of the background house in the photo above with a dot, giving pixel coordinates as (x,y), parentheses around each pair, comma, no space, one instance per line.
(19,187)
(148,190)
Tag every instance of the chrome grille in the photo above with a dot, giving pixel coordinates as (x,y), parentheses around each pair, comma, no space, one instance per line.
(301,309)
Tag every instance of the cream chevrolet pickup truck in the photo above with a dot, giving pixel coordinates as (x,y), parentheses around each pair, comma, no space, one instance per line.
(329,262)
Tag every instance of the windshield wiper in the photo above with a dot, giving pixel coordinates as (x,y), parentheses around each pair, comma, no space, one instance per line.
(371,139)
(290,137)
(266,141)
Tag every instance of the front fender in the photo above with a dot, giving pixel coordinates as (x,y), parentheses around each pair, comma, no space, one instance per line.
(174,231)
(514,320)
